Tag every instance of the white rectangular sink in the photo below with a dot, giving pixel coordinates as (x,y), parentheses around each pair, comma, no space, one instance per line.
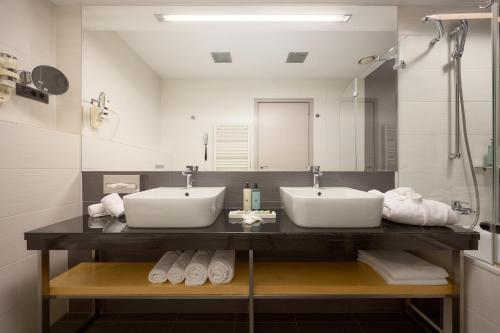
(174,207)
(332,207)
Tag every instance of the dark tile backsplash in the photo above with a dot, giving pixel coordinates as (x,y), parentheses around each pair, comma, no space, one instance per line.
(269,182)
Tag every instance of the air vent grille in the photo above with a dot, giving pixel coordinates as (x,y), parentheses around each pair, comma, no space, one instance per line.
(296,57)
(221,57)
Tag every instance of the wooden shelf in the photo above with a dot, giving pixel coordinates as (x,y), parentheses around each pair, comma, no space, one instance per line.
(332,279)
(128,280)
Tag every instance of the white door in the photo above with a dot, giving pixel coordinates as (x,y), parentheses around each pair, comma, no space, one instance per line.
(282,135)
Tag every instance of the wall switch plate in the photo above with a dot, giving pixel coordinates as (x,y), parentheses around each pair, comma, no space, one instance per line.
(123,184)
(32,93)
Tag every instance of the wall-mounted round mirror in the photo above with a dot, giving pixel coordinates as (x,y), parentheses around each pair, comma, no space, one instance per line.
(50,80)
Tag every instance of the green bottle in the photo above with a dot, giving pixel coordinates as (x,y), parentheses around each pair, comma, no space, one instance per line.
(255,197)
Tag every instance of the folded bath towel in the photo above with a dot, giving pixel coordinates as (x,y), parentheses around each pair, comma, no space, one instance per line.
(159,272)
(175,274)
(404,205)
(97,210)
(221,267)
(401,267)
(197,270)
(113,204)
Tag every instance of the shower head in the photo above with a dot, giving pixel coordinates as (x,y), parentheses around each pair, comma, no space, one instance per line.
(367,60)
(389,55)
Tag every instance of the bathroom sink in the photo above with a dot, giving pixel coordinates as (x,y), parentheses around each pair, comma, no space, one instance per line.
(174,207)
(332,207)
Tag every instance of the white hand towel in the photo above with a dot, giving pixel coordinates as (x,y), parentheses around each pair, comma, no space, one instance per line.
(175,274)
(197,270)
(221,267)
(402,265)
(97,210)
(159,272)
(390,280)
(113,204)
(404,205)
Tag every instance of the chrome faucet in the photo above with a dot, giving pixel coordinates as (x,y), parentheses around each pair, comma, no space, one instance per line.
(316,174)
(190,169)
(459,208)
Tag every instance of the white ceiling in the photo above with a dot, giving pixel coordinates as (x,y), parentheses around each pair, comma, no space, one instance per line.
(182,50)
(257,54)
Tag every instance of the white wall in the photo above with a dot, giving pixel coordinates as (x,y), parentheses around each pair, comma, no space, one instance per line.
(221,101)
(39,157)
(426,112)
(131,140)
(425,124)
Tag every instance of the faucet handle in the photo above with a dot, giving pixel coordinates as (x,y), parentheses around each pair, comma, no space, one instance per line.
(191,168)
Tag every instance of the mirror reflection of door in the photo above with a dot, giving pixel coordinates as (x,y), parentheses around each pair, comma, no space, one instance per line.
(283,135)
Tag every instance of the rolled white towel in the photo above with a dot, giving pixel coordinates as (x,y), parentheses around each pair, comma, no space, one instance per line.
(159,272)
(175,274)
(113,204)
(221,267)
(197,270)
(97,210)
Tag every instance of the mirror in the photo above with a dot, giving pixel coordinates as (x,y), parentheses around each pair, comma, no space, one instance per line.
(239,88)
(50,80)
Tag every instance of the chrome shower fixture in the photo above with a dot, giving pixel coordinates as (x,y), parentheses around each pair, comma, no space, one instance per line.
(460,35)
(439,26)
(391,54)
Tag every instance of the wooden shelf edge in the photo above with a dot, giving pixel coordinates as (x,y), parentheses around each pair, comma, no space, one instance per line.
(130,280)
(333,279)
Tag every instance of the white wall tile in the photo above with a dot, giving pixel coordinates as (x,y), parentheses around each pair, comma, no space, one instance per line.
(27,190)
(8,287)
(8,322)
(27,147)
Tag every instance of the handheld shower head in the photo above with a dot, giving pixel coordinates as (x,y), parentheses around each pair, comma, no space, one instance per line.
(460,35)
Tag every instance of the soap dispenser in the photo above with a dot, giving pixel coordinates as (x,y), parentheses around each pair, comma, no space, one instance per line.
(247,197)
(255,197)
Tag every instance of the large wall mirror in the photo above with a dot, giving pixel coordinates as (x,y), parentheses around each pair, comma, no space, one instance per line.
(239,88)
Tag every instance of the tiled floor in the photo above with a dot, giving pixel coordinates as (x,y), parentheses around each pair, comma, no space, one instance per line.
(235,323)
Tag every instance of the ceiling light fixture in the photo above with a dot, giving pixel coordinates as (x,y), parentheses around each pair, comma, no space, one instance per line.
(253,18)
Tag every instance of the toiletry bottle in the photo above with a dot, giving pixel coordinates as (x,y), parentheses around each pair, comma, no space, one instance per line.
(255,197)
(247,197)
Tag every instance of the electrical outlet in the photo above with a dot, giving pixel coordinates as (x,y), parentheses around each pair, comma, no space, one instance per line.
(32,93)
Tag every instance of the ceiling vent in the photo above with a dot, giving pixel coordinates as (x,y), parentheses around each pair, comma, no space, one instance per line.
(296,57)
(221,57)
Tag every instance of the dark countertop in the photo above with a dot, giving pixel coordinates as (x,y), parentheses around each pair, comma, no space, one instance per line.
(109,234)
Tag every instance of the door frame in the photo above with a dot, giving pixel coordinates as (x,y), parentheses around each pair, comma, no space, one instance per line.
(255,127)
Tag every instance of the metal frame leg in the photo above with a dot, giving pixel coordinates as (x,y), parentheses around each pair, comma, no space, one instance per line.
(44,265)
(454,320)
(95,305)
(250,292)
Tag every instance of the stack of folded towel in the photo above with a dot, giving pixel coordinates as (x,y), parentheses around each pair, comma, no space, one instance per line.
(404,205)
(403,268)
(111,204)
(194,268)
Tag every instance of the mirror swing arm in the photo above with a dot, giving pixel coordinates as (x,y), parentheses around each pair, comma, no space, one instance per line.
(53,83)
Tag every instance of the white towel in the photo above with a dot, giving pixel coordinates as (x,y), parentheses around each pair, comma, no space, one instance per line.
(404,205)
(197,270)
(401,267)
(221,267)
(175,274)
(97,210)
(113,204)
(159,272)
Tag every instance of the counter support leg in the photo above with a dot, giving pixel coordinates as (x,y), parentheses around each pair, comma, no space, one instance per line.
(250,292)
(453,307)
(44,265)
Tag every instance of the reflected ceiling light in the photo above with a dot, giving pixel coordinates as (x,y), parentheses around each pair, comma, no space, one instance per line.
(253,18)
